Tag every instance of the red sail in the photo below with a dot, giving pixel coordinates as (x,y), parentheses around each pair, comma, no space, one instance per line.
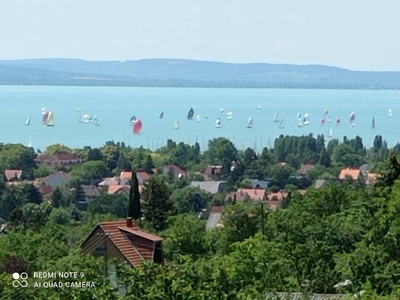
(137,126)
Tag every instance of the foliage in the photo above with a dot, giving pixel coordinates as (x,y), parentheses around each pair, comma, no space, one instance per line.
(134,205)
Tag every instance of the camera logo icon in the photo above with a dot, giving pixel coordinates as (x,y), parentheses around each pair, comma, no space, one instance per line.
(20,280)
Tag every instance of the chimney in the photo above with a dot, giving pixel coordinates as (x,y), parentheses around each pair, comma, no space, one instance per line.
(129,222)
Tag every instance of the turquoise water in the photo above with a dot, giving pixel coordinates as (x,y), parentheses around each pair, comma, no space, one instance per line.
(115,106)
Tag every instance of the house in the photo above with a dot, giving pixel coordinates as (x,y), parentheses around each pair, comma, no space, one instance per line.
(125,241)
(58,159)
(355,174)
(212,187)
(120,189)
(110,181)
(275,200)
(142,177)
(12,174)
(239,196)
(56,179)
(255,194)
(264,184)
(281,164)
(213,215)
(212,173)
(178,172)
(319,183)
(372,178)
(304,169)
(366,168)
(46,190)
(90,192)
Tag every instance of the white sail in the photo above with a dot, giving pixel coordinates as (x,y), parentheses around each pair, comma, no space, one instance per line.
(330,132)
(390,113)
(250,123)
(198,118)
(276,118)
(176,124)
(306,119)
(259,106)
(300,123)
(281,125)
(218,123)
(30,142)
(221,111)
(28,121)
(229,115)
(299,116)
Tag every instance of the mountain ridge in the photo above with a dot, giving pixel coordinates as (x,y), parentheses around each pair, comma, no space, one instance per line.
(164,72)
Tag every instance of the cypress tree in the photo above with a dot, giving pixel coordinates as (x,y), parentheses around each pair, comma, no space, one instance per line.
(134,207)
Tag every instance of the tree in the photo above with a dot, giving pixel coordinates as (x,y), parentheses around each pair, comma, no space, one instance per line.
(134,208)
(156,203)
(189,199)
(32,194)
(148,164)
(122,164)
(57,197)
(78,193)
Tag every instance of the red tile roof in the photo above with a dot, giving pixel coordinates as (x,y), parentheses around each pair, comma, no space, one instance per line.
(125,175)
(353,173)
(144,175)
(134,244)
(45,189)
(254,194)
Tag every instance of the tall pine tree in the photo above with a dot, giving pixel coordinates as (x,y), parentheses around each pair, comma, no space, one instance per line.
(134,207)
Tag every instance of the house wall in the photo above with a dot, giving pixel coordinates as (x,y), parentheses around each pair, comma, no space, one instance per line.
(95,241)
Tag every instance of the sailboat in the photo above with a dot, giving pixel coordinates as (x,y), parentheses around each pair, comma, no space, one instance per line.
(176,124)
(218,123)
(306,119)
(373,123)
(250,123)
(259,106)
(352,119)
(229,115)
(300,123)
(338,121)
(323,121)
(221,111)
(137,127)
(298,116)
(96,120)
(30,142)
(281,125)
(206,116)
(133,119)
(161,115)
(330,133)
(50,119)
(198,118)
(190,114)
(276,118)
(45,116)
(28,121)
(390,113)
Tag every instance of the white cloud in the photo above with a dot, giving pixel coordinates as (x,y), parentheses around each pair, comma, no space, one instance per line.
(193,9)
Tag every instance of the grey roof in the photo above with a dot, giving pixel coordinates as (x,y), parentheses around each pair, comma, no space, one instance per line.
(260,183)
(90,191)
(320,183)
(367,167)
(212,187)
(299,296)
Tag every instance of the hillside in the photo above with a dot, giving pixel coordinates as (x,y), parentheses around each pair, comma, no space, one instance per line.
(189,73)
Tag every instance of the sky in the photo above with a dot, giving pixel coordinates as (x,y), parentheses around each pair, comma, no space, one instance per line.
(353,34)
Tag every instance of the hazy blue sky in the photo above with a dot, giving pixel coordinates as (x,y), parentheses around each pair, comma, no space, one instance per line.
(355,34)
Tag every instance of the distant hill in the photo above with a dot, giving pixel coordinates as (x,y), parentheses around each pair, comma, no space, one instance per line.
(189,73)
